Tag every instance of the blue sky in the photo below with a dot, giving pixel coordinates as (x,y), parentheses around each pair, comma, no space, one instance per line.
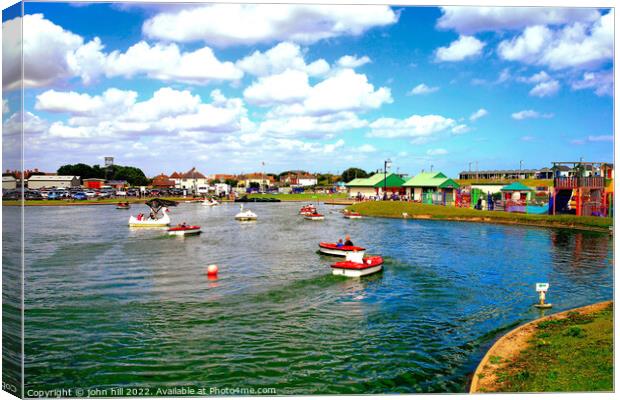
(320,88)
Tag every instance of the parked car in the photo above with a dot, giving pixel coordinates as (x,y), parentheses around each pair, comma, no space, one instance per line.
(121,192)
(80,196)
(54,196)
(32,195)
(90,193)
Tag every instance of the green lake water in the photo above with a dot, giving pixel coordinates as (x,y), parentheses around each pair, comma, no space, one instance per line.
(113,307)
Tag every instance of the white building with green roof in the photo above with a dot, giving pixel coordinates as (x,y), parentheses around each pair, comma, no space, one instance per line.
(424,185)
(375,184)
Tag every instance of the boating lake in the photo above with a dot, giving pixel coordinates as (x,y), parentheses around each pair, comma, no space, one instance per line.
(108,306)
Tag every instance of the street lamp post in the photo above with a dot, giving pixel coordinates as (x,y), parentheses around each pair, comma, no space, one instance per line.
(386,164)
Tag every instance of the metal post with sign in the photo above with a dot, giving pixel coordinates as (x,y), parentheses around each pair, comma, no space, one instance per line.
(542,289)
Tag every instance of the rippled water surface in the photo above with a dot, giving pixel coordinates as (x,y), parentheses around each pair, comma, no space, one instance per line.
(107,306)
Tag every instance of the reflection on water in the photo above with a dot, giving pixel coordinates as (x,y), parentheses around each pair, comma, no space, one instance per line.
(108,306)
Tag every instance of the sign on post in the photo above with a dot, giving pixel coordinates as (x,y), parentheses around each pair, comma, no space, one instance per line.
(542,287)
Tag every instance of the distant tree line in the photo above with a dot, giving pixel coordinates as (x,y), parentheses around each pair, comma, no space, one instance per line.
(133,175)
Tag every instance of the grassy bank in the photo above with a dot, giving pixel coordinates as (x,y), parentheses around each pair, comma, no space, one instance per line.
(572,354)
(395,209)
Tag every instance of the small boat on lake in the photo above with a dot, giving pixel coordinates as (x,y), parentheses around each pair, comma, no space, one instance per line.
(333,249)
(352,215)
(153,220)
(122,206)
(210,202)
(314,217)
(184,230)
(246,215)
(356,265)
(306,210)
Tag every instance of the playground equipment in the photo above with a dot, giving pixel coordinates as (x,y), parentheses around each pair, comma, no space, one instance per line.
(583,183)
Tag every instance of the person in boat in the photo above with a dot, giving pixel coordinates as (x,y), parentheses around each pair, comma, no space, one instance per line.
(184,225)
(152,215)
(140,216)
(340,244)
(348,241)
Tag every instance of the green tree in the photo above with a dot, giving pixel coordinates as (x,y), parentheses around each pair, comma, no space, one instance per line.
(231,182)
(351,173)
(82,170)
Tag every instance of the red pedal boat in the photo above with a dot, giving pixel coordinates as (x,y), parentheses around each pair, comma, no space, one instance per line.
(333,250)
(314,217)
(184,230)
(357,265)
(307,210)
(352,215)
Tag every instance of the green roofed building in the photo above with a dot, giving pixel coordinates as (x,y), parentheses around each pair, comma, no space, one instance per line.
(373,186)
(429,187)
(516,191)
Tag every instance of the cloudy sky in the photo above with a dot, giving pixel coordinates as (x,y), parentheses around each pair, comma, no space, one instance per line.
(226,87)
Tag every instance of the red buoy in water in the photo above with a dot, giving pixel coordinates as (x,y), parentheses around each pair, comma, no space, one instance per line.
(212,271)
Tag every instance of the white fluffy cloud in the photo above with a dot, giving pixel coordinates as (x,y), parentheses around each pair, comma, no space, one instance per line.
(53,54)
(422,88)
(235,24)
(168,62)
(289,86)
(526,114)
(344,90)
(414,126)
(284,56)
(545,89)
(579,45)
(308,125)
(469,20)
(116,114)
(352,61)
(601,82)
(462,48)
(478,114)
(45,50)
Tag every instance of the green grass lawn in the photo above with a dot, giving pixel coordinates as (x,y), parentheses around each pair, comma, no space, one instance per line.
(395,209)
(566,355)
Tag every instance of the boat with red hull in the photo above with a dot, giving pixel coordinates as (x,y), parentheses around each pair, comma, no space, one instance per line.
(184,230)
(334,250)
(314,217)
(357,265)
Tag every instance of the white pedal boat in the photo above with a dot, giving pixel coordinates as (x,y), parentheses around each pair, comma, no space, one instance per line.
(210,202)
(357,265)
(184,230)
(150,223)
(332,249)
(246,215)
(314,217)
